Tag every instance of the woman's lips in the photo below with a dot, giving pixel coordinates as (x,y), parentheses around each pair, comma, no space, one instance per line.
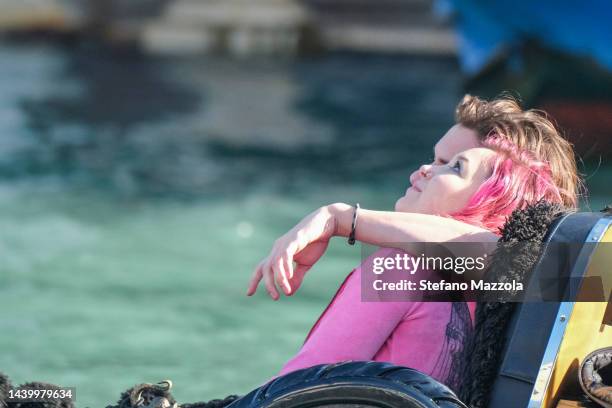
(415,188)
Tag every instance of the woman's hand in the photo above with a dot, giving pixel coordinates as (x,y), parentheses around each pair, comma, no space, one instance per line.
(304,244)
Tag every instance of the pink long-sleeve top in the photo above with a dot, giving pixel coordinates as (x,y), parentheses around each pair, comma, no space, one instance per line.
(421,335)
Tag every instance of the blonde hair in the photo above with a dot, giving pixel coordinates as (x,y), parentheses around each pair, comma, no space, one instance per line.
(529,130)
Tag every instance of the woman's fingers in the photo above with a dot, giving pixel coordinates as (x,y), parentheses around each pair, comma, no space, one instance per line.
(275,269)
(298,277)
(280,271)
(268,274)
(288,264)
(257,275)
(271,272)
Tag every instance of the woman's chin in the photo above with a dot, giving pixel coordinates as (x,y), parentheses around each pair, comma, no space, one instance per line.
(405,204)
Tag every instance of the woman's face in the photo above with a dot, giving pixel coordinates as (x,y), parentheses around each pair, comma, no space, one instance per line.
(458,169)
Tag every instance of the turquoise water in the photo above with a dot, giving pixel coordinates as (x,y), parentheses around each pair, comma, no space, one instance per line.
(101,295)
(137,195)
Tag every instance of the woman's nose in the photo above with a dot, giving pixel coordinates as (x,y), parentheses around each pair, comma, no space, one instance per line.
(425,170)
(422,172)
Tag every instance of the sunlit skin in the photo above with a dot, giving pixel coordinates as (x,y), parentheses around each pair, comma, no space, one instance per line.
(445,185)
(457,171)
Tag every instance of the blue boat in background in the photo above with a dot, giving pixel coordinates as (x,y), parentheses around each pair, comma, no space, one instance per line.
(556,55)
(487,29)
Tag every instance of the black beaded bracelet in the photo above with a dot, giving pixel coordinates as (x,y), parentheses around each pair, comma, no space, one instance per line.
(351,238)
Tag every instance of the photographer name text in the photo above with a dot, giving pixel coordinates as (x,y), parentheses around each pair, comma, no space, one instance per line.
(441,285)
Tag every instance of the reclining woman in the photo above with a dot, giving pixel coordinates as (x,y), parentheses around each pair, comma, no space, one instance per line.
(495,159)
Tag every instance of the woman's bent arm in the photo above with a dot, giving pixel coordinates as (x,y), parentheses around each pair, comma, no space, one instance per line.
(305,243)
(383,227)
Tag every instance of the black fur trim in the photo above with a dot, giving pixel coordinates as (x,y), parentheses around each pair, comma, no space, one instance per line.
(524,230)
(5,385)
